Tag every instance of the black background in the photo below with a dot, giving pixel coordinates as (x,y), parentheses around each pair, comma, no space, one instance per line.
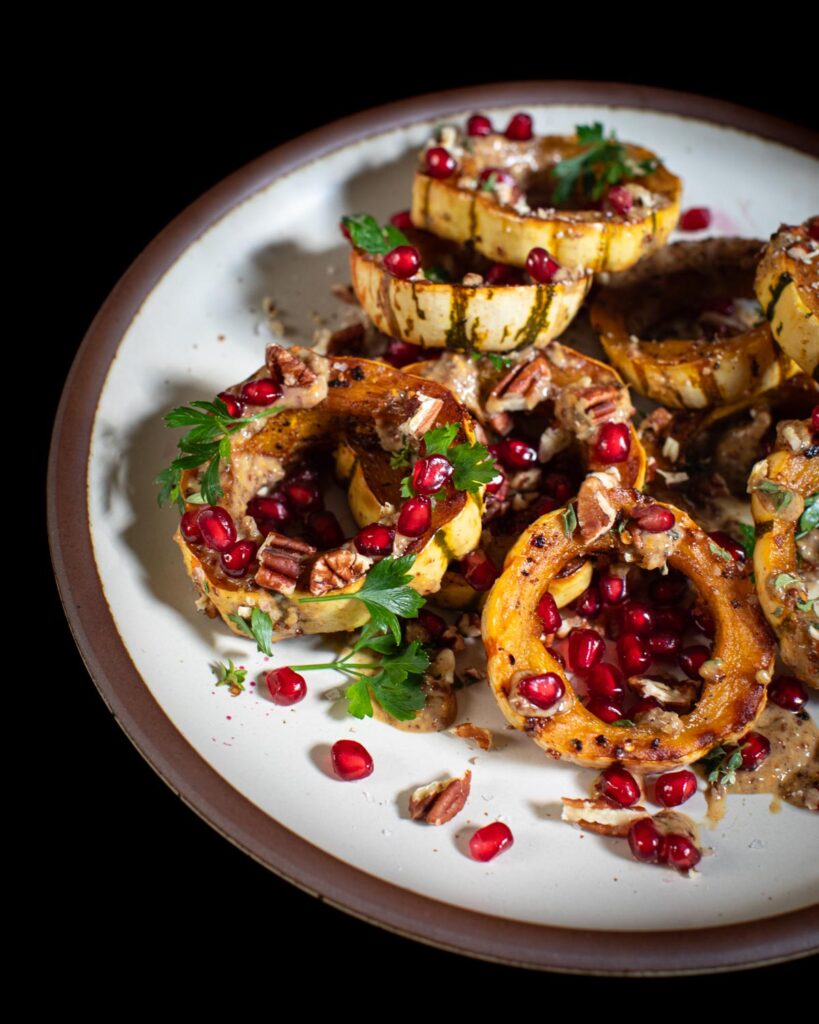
(131,139)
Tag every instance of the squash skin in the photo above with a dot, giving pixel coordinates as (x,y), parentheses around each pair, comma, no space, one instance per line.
(726,708)
(586,238)
(788,291)
(775,554)
(346,416)
(682,373)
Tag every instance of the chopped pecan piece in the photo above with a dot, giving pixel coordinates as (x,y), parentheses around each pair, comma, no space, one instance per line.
(673,694)
(287,368)
(595,512)
(336,569)
(424,417)
(280,562)
(601,815)
(440,801)
(582,409)
(476,733)
(525,386)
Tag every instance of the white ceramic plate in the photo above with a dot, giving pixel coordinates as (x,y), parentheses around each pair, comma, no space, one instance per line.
(199,326)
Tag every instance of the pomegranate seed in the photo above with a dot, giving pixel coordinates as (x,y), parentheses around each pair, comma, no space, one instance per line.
(415,517)
(501,274)
(491,176)
(430,474)
(263,391)
(619,199)
(325,529)
(813,230)
(286,686)
(517,454)
(619,785)
(432,623)
(678,851)
(270,512)
(559,487)
(496,484)
(691,659)
(543,691)
(217,528)
(663,645)
(519,128)
(235,406)
(479,570)
(637,618)
(814,419)
(401,353)
(402,220)
(588,604)
(479,125)
(754,749)
(613,443)
(440,162)
(695,219)
(235,560)
(644,839)
(668,589)
(606,681)
(606,710)
(375,540)
(704,621)
(586,648)
(544,505)
(671,620)
(189,528)
(490,840)
(653,518)
(540,266)
(351,760)
(612,588)
(727,543)
(549,615)
(303,494)
(403,261)
(643,706)
(675,788)
(788,692)
(344,229)
(632,654)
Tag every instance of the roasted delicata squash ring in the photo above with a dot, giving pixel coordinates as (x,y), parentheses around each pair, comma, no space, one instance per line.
(787,287)
(473,311)
(498,198)
(362,410)
(733,692)
(784,490)
(650,322)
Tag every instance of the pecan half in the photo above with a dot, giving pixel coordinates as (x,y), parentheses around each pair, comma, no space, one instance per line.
(336,569)
(595,512)
(287,368)
(525,386)
(440,801)
(424,417)
(601,815)
(582,409)
(280,562)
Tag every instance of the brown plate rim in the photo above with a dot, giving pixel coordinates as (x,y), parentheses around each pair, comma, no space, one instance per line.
(446,926)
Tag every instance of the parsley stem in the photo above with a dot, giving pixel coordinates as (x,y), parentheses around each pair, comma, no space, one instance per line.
(341,666)
(328,597)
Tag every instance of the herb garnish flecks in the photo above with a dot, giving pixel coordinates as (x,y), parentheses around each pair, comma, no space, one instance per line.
(602,162)
(367,234)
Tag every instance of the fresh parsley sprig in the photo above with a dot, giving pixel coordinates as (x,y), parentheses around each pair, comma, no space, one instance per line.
(208,441)
(232,677)
(602,162)
(367,234)
(472,464)
(259,628)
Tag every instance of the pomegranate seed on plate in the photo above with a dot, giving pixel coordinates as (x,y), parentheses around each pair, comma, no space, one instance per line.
(691,659)
(286,686)
(540,266)
(325,529)
(644,839)
(303,494)
(440,163)
(588,604)
(375,540)
(517,454)
(643,706)
(549,615)
(189,528)
(217,528)
(404,261)
(264,391)
(415,517)
(619,785)
(270,512)
(479,570)
(586,648)
(653,518)
(606,710)
(543,691)
(519,128)
(663,644)
(235,406)
(696,219)
(606,681)
(401,220)
(613,443)
(351,761)
(671,620)
(490,840)
(704,621)
(430,474)
(612,588)
(675,788)
(637,618)
(236,559)
(668,589)
(632,654)
(678,851)
(479,125)
(754,748)
(788,693)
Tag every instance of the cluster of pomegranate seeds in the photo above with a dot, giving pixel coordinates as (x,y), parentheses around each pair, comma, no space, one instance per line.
(519,128)
(754,748)
(619,199)
(548,612)
(325,530)
(402,353)
(430,474)
(375,540)
(217,529)
(403,261)
(501,274)
(515,453)
(544,691)
(479,125)
(286,686)
(649,845)
(586,648)
(619,785)
(727,543)
(402,220)
(440,163)
(788,692)
(479,570)
(236,559)
(696,219)
(540,266)
(264,391)
(415,517)
(235,406)
(675,788)
(490,840)
(613,443)
(351,760)
(653,518)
